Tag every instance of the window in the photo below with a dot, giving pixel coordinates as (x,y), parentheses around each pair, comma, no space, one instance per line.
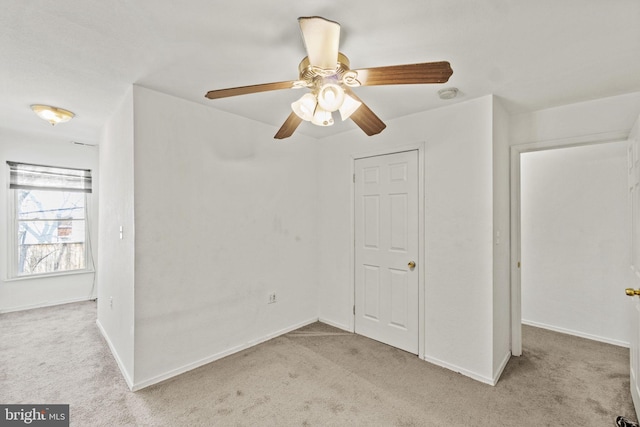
(49,219)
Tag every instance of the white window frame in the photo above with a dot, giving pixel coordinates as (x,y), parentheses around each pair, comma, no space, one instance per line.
(12,249)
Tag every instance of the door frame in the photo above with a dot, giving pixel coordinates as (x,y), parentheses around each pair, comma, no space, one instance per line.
(515,239)
(420,148)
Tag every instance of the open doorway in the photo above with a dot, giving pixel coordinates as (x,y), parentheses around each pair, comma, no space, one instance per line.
(570,239)
(574,240)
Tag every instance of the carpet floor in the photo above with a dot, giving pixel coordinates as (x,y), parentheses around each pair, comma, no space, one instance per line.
(314,376)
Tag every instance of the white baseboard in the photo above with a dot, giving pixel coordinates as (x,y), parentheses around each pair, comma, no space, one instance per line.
(47,304)
(335,325)
(491,381)
(190,366)
(503,364)
(463,371)
(576,333)
(116,356)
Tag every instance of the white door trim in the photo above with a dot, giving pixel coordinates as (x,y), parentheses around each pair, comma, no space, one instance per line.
(420,147)
(516,151)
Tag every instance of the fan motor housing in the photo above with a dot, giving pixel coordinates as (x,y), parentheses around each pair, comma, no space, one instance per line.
(310,73)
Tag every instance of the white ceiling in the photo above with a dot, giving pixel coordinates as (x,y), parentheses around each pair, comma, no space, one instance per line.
(83,55)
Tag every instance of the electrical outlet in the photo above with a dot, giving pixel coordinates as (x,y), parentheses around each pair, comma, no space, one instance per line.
(272,297)
(110,302)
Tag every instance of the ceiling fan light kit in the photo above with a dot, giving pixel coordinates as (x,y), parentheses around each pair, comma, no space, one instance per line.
(325,72)
(327,94)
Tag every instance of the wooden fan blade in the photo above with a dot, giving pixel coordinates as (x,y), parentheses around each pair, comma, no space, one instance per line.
(365,118)
(244,90)
(321,39)
(428,72)
(290,125)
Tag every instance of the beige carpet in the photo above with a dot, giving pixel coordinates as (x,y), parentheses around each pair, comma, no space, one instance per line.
(315,376)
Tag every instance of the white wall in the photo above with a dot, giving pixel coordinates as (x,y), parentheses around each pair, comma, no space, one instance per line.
(224,215)
(38,148)
(116,261)
(584,119)
(459,222)
(501,240)
(575,240)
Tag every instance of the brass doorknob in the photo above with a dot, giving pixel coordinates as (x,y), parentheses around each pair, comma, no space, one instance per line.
(411,264)
(632,292)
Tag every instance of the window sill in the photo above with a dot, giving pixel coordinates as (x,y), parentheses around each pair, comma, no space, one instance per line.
(49,275)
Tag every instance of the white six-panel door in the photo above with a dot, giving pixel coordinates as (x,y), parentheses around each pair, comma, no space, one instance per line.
(634,210)
(386,242)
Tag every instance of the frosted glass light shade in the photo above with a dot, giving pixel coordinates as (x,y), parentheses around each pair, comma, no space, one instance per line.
(330,96)
(322,117)
(348,107)
(53,115)
(305,107)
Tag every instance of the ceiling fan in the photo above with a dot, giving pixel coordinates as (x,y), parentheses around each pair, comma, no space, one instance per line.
(325,71)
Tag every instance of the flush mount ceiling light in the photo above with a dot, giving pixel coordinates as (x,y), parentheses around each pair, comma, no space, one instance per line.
(53,115)
(327,74)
